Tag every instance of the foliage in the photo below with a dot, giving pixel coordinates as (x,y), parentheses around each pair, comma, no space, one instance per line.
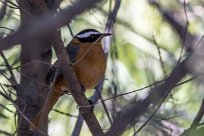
(145,48)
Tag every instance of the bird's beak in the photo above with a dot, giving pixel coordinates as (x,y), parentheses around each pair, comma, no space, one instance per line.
(106,34)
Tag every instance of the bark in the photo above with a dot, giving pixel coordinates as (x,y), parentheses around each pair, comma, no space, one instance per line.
(31,92)
(137,108)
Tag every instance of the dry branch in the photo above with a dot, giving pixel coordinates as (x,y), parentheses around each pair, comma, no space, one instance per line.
(71,79)
(47,24)
(196,120)
(106,44)
(137,108)
(75,87)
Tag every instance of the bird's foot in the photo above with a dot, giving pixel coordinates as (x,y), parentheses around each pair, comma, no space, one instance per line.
(83,88)
(92,105)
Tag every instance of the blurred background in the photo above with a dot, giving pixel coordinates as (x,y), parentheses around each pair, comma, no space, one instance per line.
(148,40)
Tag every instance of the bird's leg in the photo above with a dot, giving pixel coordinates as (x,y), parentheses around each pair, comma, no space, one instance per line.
(90,102)
(83,88)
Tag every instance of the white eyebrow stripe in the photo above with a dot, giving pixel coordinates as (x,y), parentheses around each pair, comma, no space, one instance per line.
(87,34)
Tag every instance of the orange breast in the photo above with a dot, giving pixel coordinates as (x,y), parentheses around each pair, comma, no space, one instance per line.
(91,68)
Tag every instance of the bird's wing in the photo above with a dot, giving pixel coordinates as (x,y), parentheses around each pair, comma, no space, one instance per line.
(72,50)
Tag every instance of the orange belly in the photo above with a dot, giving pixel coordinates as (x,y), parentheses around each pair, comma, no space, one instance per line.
(89,70)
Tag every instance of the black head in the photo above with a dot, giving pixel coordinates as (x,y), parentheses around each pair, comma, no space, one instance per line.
(89,35)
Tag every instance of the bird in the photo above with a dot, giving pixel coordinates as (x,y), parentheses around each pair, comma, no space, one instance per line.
(89,63)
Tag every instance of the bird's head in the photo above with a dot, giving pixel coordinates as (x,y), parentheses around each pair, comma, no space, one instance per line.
(89,35)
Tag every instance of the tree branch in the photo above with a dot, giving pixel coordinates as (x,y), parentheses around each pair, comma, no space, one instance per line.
(137,108)
(196,120)
(75,88)
(199,116)
(106,46)
(70,76)
(5,133)
(182,31)
(47,24)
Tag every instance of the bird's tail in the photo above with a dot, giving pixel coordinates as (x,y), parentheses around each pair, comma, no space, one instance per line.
(43,113)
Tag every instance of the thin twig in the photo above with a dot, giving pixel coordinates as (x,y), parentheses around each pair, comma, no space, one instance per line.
(48,24)
(1,105)
(75,88)
(160,58)
(70,30)
(105,108)
(13,79)
(7,78)
(18,109)
(41,83)
(122,94)
(199,116)
(137,108)
(167,118)
(87,51)
(5,133)
(66,114)
(14,6)
(196,121)
(3,27)
(146,87)
(68,26)
(3,10)
(152,115)
(185,31)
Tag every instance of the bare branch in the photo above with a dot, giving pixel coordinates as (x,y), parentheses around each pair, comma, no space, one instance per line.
(18,109)
(69,74)
(48,24)
(3,10)
(160,58)
(98,90)
(13,79)
(7,28)
(196,121)
(1,105)
(66,114)
(137,108)
(5,133)
(75,88)
(199,116)
(182,31)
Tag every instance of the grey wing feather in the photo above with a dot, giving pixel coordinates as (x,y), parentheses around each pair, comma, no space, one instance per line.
(72,51)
